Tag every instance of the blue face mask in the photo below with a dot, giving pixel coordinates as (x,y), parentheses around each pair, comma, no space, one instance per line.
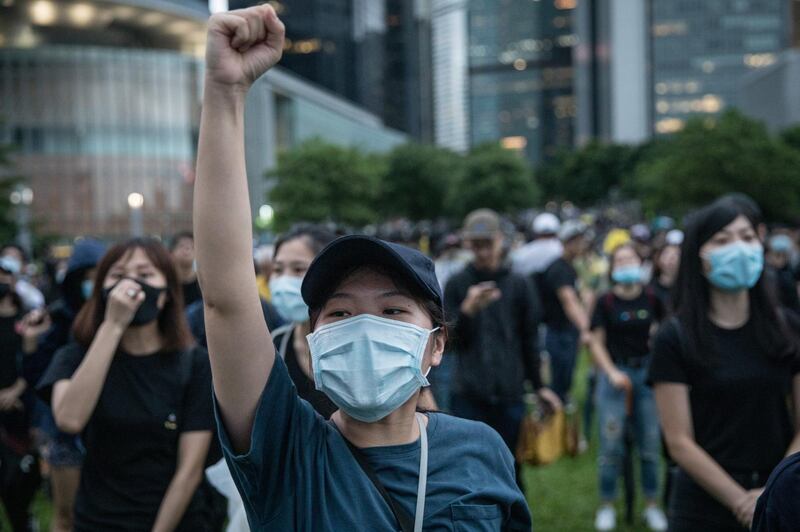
(627,275)
(87,286)
(287,299)
(736,266)
(368,366)
(780,244)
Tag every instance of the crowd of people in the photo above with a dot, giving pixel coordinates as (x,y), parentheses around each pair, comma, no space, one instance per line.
(329,381)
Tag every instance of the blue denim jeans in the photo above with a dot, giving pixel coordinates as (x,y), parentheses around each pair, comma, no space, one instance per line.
(612,418)
(562,346)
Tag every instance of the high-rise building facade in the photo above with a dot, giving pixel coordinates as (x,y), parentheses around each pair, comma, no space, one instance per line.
(408,84)
(503,72)
(521,75)
(702,50)
(450,74)
(375,53)
(101,101)
(612,71)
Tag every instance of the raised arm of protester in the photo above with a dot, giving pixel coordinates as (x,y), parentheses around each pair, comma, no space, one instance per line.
(241,46)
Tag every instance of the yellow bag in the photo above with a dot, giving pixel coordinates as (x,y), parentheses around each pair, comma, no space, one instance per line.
(542,439)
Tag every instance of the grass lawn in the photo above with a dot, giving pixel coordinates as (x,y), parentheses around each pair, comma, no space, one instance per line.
(562,496)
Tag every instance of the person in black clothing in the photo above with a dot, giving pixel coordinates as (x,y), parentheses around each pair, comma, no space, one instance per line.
(197,323)
(495,338)
(63,452)
(777,509)
(294,253)
(182,250)
(565,317)
(778,257)
(665,269)
(620,345)
(19,469)
(722,371)
(139,393)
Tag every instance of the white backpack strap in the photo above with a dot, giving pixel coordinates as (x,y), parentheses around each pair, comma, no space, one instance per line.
(285,331)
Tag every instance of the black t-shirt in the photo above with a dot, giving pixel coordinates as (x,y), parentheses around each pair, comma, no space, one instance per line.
(132,436)
(739,403)
(627,323)
(191,293)
(663,293)
(305,386)
(556,276)
(10,347)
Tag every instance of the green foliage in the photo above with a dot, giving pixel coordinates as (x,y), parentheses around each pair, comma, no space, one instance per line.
(417,181)
(493,177)
(588,175)
(791,137)
(320,182)
(708,159)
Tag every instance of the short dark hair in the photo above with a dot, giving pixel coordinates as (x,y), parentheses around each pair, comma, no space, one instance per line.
(11,245)
(171,321)
(176,239)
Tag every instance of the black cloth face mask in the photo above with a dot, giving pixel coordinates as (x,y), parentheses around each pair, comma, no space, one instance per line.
(5,289)
(148,311)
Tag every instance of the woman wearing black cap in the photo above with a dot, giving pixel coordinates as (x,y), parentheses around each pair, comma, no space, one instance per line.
(376,315)
(722,370)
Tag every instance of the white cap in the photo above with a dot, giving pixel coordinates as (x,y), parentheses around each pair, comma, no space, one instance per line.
(674,237)
(546,224)
(572,229)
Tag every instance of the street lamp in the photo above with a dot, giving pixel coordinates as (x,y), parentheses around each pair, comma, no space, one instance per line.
(136,203)
(22,198)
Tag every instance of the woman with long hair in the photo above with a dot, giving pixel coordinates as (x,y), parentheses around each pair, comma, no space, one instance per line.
(725,370)
(294,253)
(138,392)
(377,328)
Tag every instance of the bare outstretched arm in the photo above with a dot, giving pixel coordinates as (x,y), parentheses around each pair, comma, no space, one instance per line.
(241,46)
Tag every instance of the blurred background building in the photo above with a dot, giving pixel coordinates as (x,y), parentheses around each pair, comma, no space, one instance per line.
(503,72)
(375,53)
(102,101)
(702,50)
(102,97)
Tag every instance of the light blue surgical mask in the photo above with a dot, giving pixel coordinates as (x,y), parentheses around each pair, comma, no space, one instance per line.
(87,286)
(287,299)
(627,275)
(367,365)
(736,266)
(780,244)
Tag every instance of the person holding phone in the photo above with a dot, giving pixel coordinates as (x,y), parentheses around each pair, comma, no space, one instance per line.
(495,337)
(725,372)
(377,330)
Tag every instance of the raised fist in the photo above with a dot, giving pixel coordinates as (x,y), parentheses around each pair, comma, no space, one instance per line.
(242,45)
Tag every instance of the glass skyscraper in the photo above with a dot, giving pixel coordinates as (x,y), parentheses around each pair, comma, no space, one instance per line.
(702,49)
(521,75)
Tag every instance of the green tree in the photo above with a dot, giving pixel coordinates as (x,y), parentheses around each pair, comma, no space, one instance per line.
(495,178)
(711,158)
(589,174)
(417,181)
(319,182)
(791,137)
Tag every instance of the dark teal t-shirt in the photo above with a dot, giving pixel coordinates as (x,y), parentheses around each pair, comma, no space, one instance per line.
(300,475)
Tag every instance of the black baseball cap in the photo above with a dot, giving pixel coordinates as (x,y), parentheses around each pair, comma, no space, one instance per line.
(348,252)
